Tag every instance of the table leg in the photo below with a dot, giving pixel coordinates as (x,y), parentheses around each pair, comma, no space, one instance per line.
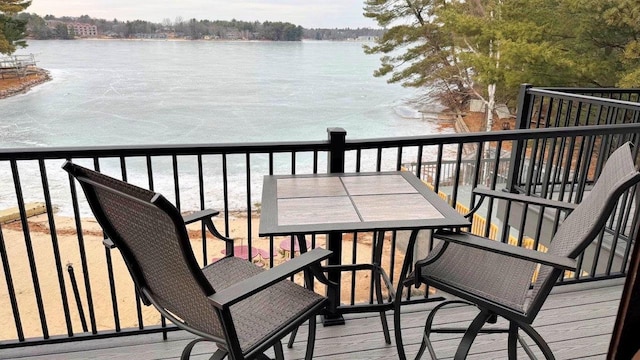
(377,263)
(331,318)
(334,243)
(302,245)
(398,298)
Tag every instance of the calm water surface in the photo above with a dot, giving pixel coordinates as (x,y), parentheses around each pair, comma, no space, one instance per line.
(159,92)
(173,92)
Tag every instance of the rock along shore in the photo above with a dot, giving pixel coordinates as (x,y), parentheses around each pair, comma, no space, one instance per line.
(20,85)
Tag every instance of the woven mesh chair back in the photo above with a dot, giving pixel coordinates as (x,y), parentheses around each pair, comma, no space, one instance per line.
(155,246)
(584,223)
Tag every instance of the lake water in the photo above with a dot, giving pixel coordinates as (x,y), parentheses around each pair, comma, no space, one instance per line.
(159,92)
(173,92)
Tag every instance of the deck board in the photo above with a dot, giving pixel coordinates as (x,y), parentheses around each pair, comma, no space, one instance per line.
(576,321)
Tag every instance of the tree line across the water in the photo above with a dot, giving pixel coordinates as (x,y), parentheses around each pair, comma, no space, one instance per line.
(51,27)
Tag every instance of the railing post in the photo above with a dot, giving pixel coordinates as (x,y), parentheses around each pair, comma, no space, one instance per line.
(523,117)
(335,164)
(337,139)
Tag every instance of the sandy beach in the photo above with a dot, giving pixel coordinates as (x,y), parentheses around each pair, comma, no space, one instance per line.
(42,243)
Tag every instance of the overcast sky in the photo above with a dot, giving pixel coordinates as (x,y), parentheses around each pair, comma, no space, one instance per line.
(308,13)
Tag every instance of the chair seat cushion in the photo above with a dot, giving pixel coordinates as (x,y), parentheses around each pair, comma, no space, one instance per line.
(264,313)
(497,278)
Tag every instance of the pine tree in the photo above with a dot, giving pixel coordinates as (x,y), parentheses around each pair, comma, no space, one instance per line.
(416,50)
(12,29)
(486,48)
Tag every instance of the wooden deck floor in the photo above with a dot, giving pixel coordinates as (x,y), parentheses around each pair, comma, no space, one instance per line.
(576,321)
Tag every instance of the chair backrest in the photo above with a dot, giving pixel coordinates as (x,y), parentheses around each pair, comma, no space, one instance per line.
(586,221)
(151,235)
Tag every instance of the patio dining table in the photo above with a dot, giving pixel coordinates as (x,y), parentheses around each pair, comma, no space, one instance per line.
(333,204)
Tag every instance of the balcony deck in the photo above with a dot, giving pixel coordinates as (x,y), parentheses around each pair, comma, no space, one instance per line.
(576,320)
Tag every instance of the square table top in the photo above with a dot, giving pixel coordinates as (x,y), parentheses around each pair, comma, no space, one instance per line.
(320,203)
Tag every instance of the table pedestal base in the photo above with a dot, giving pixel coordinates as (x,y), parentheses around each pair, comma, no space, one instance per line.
(332,319)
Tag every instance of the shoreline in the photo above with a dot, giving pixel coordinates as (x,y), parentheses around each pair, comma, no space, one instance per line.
(20,85)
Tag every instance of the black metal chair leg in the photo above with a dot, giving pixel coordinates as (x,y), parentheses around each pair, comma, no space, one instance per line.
(186,352)
(470,334)
(311,339)
(512,346)
(423,346)
(383,315)
(426,343)
(292,338)
(397,301)
(277,349)
(397,329)
(218,355)
(544,347)
(377,282)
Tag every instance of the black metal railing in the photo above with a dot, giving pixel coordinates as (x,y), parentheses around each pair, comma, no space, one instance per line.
(41,304)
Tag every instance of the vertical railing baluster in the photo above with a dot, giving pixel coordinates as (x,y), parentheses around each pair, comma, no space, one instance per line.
(10,288)
(456,177)
(523,118)
(225,193)
(315,161)
(249,224)
(293,163)
(176,180)
(617,230)
(272,253)
(203,228)
(55,246)
(83,253)
(29,247)
(419,162)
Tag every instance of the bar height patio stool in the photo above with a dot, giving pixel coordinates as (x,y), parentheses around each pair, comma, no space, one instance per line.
(499,281)
(217,303)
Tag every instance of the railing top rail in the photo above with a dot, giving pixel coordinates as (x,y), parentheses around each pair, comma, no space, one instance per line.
(593,90)
(503,135)
(160,150)
(555,93)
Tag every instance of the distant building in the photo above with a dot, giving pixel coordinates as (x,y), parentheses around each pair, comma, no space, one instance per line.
(82,30)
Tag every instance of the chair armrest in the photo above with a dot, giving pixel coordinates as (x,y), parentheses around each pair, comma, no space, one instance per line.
(525,199)
(482,243)
(244,289)
(205,216)
(199,215)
